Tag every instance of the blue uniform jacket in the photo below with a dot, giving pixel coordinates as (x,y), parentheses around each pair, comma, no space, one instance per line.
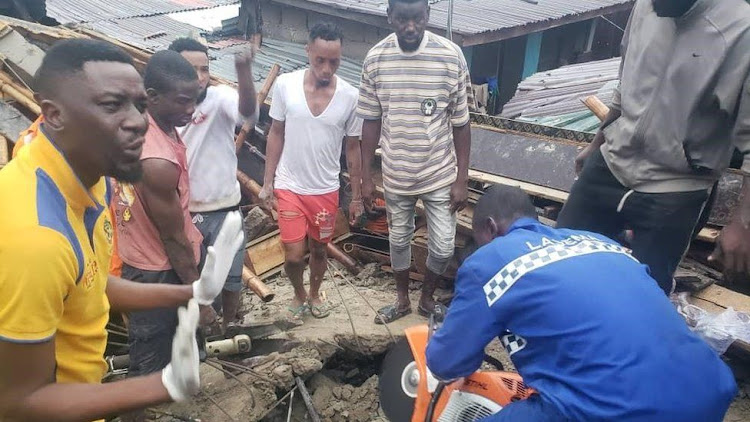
(585,325)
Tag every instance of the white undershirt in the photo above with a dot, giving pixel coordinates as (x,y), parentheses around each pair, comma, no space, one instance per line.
(310,161)
(212,160)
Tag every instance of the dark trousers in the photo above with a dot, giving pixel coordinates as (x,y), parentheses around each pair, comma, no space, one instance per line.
(150,332)
(662,223)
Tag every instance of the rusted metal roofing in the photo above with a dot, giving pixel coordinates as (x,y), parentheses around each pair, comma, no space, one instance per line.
(473,17)
(553,98)
(290,56)
(78,11)
(152,33)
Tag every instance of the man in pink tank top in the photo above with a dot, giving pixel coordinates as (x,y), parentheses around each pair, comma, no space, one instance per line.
(158,242)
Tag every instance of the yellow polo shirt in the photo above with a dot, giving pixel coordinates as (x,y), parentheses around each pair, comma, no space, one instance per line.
(55,249)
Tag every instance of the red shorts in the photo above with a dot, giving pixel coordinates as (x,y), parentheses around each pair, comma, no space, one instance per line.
(306,215)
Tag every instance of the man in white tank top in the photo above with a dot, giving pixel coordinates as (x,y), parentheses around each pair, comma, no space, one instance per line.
(313,114)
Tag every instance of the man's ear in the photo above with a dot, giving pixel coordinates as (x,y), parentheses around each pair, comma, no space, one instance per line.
(153,96)
(493,226)
(53,115)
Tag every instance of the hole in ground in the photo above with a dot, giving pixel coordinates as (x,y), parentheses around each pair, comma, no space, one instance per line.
(340,391)
(352,368)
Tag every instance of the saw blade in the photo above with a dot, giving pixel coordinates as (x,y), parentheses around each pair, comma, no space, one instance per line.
(396,404)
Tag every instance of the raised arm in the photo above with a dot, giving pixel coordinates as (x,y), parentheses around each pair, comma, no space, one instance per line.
(243,63)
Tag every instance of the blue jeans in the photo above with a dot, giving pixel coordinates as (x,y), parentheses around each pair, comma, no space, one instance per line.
(533,409)
(441,228)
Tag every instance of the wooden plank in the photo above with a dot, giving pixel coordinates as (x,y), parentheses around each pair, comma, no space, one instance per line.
(265,254)
(724,298)
(530,188)
(4,153)
(712,307)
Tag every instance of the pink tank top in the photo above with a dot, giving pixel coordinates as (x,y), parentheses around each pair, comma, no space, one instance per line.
(139,243)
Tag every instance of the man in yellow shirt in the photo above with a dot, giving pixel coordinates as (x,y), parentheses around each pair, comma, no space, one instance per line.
(56,246)
(25,138)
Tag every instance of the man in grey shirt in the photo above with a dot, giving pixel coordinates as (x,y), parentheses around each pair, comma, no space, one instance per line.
(682,107)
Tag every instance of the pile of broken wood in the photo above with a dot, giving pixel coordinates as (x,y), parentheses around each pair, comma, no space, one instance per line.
(537,159)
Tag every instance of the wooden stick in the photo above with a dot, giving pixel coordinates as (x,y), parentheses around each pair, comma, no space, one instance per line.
(336,253)
(262,95)
(29,103)
(596,106)
(249,186)
(4,156)
(4,77)
(254,283)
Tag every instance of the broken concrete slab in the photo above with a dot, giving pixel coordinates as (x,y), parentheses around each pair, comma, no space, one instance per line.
(12,122)
(21,55)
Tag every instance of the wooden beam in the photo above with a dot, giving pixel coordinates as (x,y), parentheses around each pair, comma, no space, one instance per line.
(530,188)
(715,299)
(4,153)
(249,124)
(596,106)
(265,254)
(725,298)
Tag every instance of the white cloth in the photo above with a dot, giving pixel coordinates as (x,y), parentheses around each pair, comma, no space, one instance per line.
(310,161)
(212,160)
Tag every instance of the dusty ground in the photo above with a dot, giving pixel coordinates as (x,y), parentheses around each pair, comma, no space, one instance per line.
(340,369)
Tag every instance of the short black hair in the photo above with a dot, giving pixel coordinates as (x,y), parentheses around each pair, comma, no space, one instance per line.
(392,3)
(326,31)
(188,44)
(504,203)
(68,57)
(164,68)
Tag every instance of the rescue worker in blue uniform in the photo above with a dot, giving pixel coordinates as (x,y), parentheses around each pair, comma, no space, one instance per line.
(584,323)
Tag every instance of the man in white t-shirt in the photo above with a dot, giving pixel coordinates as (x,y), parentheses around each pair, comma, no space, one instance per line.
(212,160)
(313,113)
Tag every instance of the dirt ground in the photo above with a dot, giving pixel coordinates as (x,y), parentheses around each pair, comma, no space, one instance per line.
(339,369)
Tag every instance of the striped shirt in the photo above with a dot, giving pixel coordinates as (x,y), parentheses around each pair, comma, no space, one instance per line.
(420,96)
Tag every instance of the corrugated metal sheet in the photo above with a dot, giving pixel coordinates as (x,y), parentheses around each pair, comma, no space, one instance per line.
(553,98)
(472,17)
(289,56)
(77,11)
(151,33)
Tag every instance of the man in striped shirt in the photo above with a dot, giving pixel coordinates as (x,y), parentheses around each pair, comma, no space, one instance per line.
(414,102)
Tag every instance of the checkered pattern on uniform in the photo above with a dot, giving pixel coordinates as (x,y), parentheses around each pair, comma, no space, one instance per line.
(569,248)
(513,343)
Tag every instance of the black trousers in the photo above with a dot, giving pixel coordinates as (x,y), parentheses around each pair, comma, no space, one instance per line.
(150,332)
(662,223)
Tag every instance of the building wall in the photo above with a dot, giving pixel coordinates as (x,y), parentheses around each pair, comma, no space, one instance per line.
(292,24)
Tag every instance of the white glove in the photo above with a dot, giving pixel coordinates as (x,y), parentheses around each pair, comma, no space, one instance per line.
(181,377)
(219,260)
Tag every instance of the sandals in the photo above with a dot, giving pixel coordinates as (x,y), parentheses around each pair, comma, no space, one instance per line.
(296,314)
(319,311)
(439,312)
(390,313)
